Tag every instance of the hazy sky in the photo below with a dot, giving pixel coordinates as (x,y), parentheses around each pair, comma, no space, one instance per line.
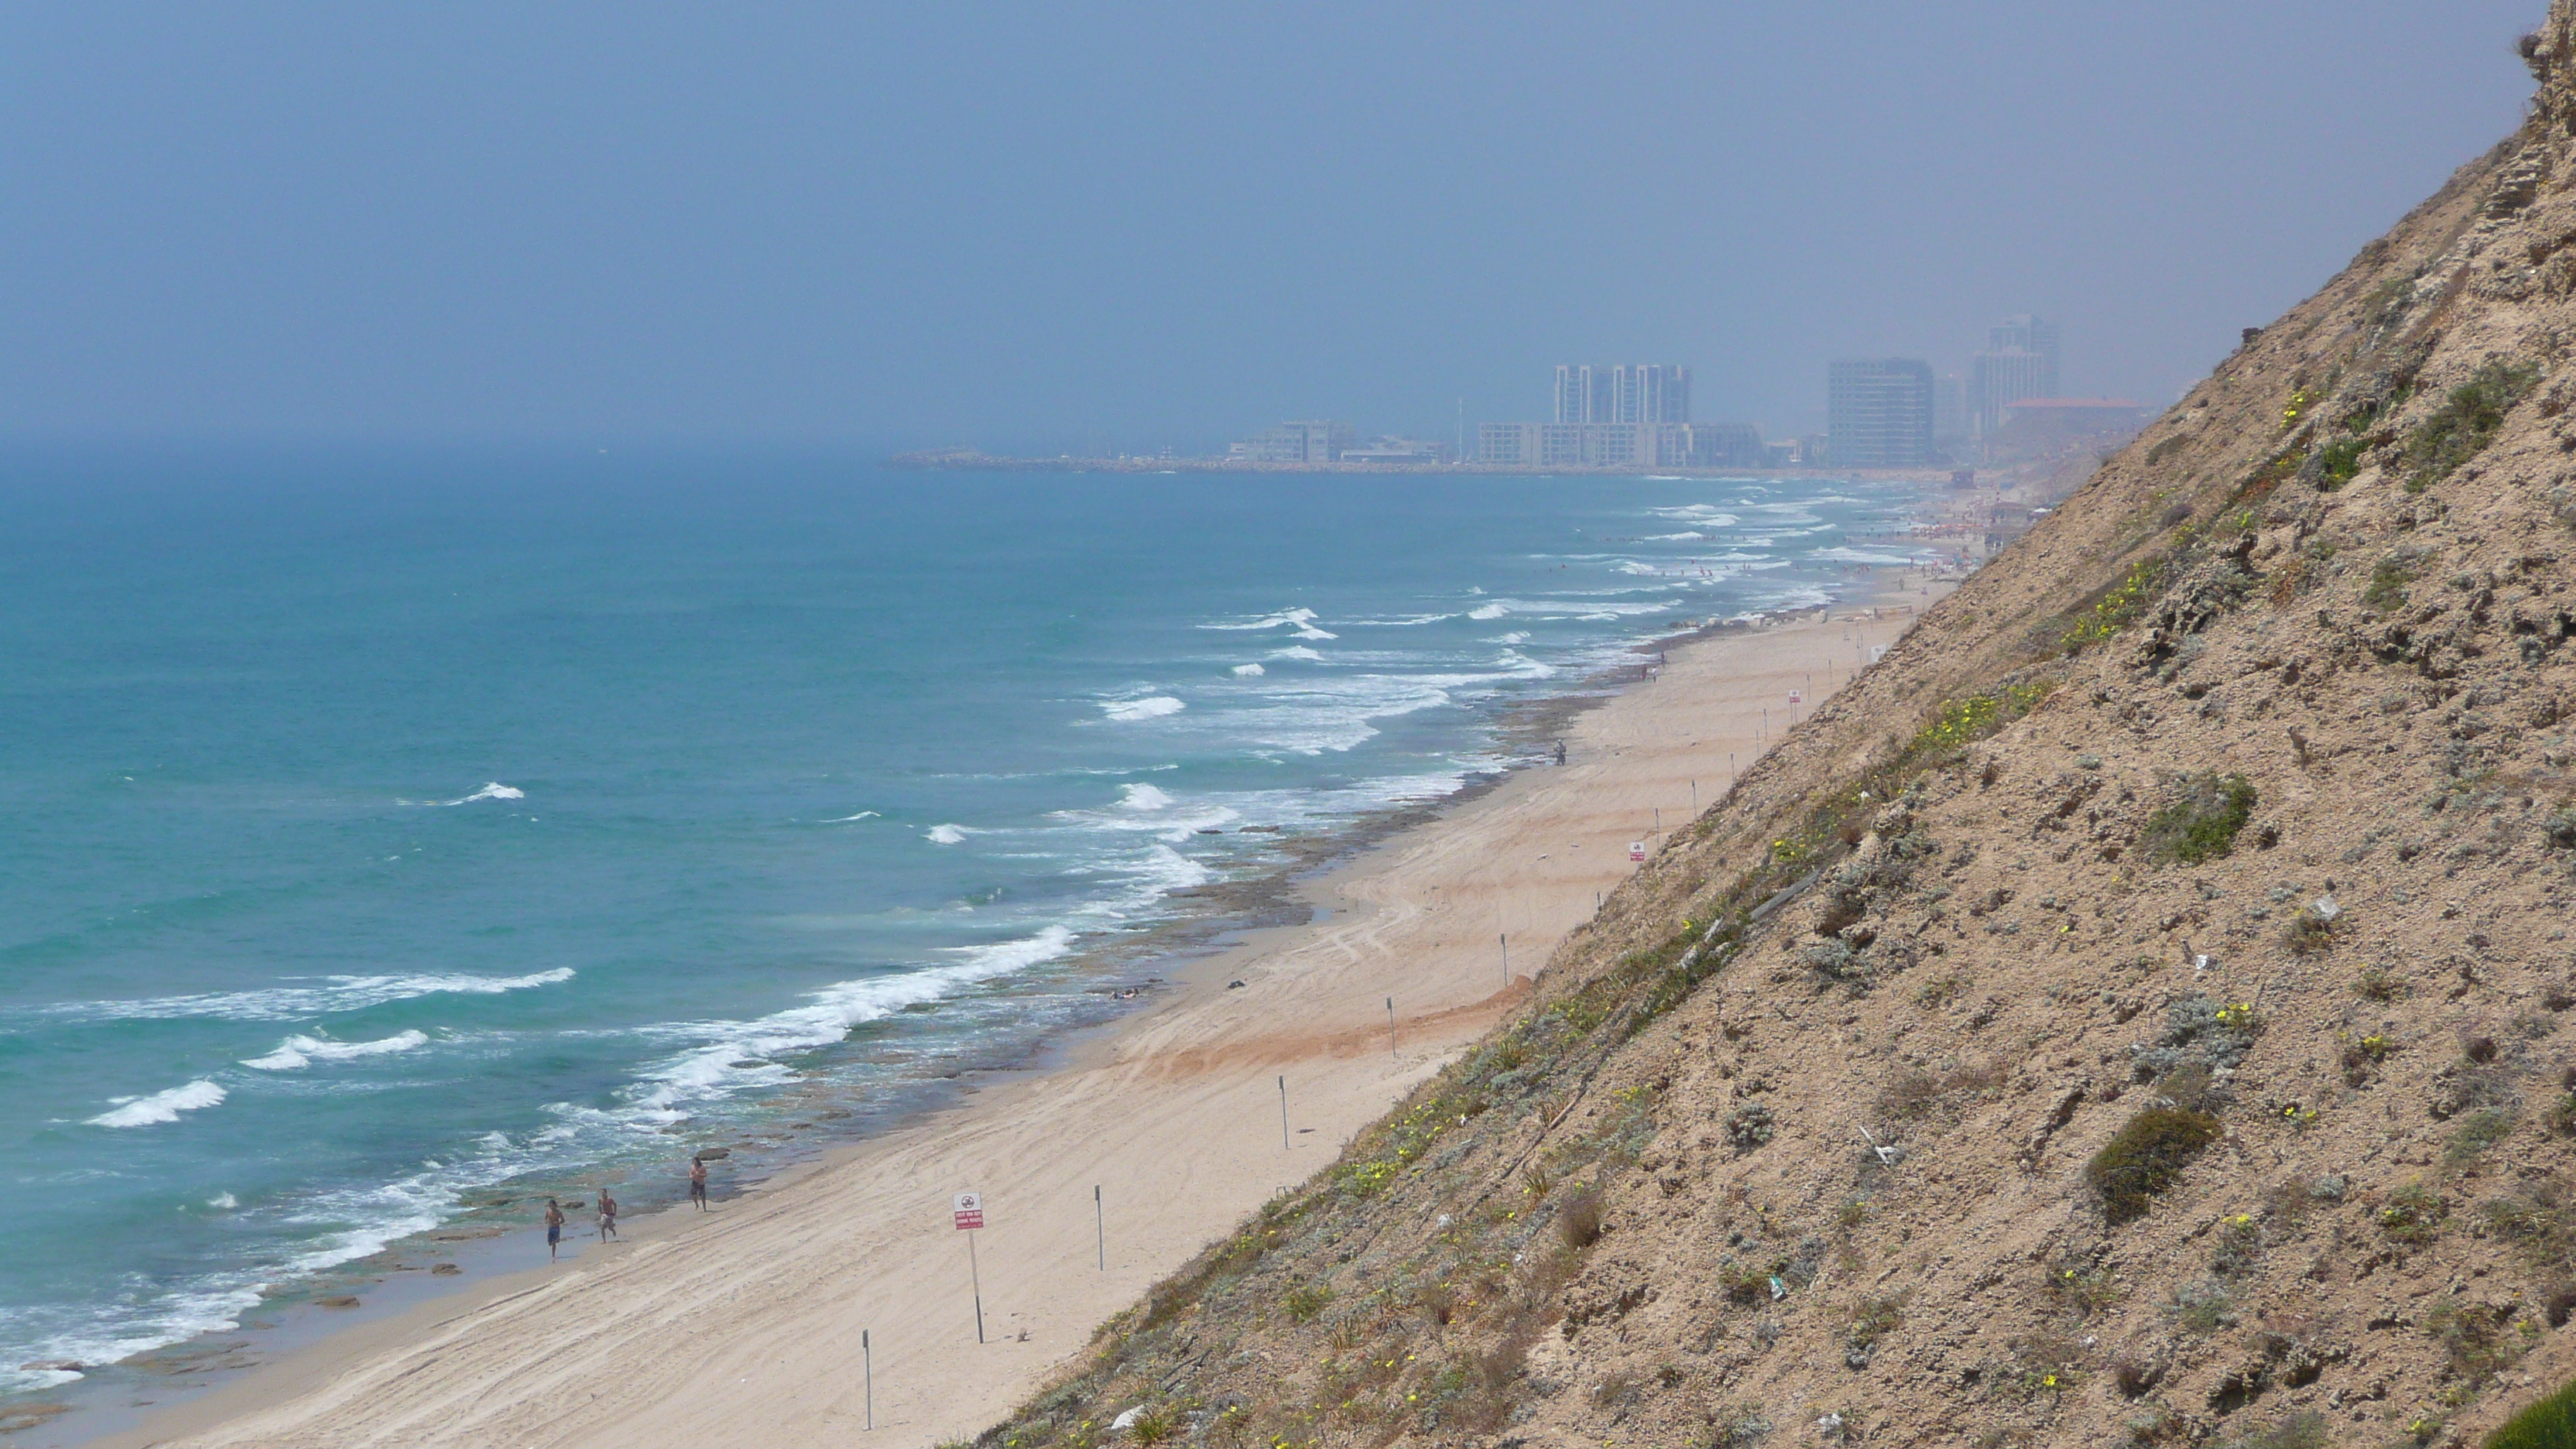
(1028,226)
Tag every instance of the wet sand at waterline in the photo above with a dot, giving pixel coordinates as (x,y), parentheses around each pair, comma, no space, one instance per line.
(742,1326)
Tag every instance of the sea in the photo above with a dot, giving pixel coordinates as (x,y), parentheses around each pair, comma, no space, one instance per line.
(391,833)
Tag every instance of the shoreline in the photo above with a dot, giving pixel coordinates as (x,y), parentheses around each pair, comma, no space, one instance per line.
(1170,1107)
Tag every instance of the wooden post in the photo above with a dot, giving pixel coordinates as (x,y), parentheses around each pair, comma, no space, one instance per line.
(867,1356)
(976,1275)
(1101,1218)
(1283,1114)
(1390,1029)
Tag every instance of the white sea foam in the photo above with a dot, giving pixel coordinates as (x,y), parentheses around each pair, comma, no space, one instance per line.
(173,1319)
(946,835)
(1858,556)
(846,819)
(1487,611)
(298,1052)
(1138,796)
(1150,707)
(1517,636)
(223,1202)
(160,1106)
(1300,620)
(737,1056)
(492,790)
(1296,651)
(288,1003)
(1250,670)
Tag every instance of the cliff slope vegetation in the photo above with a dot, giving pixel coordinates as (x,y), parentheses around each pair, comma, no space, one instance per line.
(2135,1011)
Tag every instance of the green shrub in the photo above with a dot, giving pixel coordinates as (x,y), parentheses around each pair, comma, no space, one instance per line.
(2413,1215)
(1303,1302)
(2466,422)
(2387,591)
(2117,607)
(1738,1426)
(2475,1338)
(2548,1424)
(1961,722)
(2147,1156)
(2202,825)
(2477,1132)
(2339,462)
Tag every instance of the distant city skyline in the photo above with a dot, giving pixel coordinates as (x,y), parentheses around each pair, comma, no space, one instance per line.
(1136,228)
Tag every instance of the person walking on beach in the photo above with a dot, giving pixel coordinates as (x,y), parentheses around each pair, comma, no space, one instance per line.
(554,1227)
(607,1216)
(698,1182)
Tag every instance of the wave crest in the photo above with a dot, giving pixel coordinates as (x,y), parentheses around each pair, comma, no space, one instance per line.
(1151,707)
(298,1052)
(161,1106)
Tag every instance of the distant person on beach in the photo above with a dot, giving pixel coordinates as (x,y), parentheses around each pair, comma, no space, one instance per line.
(554,1227)
(607,1216)
(698,1182)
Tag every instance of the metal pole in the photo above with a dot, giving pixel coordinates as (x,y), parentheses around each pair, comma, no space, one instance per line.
(977,1276)
(1505,941)
(1390,1028)
(868,1356)
(1102,1215)
(1283,1114)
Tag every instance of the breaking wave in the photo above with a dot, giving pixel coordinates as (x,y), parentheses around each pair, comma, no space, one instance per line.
(298,1052)
(160,1106)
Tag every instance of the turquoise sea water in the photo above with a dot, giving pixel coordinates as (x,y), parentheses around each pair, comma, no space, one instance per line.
(383,828)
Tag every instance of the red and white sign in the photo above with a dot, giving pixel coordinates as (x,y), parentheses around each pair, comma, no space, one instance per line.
(1797,696)
(1636,850)
(970,1211)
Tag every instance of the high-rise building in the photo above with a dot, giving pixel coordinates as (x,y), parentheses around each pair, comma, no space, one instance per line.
(1650,393)
(1574,394)
(2022,332)
(2020,361)
(1646,393)
(1997,380)
(1878,413)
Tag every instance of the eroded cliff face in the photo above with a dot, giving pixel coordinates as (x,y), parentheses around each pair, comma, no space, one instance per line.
(2137,1010)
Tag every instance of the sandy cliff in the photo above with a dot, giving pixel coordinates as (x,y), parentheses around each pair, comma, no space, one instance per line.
(2183,906)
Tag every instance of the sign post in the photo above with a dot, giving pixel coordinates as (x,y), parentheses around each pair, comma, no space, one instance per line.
(1283,1114)
(1101,1214)
(1390,1029)
(1636,851)
(868,1356)
(970,1216)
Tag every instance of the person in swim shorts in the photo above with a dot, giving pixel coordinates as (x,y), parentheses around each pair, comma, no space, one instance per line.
(554,1227)
(607,1216)
(698,1182)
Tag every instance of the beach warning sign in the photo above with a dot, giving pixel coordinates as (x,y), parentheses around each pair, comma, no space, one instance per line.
(970,1211)
(1797,697)
(1636,851)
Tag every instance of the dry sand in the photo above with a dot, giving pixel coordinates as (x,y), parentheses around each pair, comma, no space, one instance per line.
(741,1326)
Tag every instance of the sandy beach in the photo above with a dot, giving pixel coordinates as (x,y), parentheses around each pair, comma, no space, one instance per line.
(742,1326)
